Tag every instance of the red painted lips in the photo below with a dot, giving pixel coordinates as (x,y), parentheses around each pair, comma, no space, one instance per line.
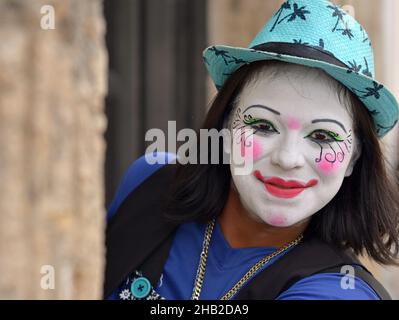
(282,188)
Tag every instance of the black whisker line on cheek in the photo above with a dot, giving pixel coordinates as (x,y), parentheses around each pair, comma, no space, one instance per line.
(346,146)
(349,135)
(321,153)
(330,154)
(350,144)
(245,140)
(342,153)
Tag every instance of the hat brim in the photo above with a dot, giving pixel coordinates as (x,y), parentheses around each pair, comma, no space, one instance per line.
(222,61)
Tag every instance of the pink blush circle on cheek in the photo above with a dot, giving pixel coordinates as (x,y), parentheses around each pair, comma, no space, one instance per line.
(254,151)
(328,168)
(257,150)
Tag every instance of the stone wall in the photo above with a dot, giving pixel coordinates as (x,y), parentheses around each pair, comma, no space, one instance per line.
(52,87)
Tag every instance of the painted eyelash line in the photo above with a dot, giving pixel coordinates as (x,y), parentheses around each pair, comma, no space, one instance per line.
(332,134)
(333,157)
(249,120)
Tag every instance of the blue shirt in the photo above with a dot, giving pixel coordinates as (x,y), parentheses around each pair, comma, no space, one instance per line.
(225,265)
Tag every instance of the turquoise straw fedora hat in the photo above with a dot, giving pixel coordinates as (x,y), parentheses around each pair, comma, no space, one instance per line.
(314,33)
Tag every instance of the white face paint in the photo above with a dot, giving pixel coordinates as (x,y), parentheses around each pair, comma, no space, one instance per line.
(301,132)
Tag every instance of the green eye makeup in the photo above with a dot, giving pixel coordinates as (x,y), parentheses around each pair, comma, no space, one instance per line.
(251,121)
(334,137)
(259,124)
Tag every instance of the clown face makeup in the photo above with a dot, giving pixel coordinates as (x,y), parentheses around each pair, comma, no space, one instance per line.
(302,145)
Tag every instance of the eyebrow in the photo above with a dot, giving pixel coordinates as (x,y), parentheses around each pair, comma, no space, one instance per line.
(330,120)
(279,114)
(263,107)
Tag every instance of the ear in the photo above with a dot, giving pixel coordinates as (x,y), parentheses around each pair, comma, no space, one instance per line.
(355,157)
(349,170)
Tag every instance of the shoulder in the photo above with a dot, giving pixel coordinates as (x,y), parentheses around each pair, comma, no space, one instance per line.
(136,174)
(329,286)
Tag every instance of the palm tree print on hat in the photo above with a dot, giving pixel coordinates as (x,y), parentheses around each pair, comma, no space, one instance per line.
(365,37)
(321,47)
(299,41)
(237,60)
(339,14)
(346,31)
(366,71)
(370,92)
(356,68)
(298,12)
(285,5)
(374,112)
(318,47)
(222,53)
(385,129)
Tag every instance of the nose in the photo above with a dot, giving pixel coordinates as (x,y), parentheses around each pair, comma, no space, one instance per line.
(288,154)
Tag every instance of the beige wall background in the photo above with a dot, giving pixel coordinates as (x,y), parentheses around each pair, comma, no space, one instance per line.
(52,89)
(236,22)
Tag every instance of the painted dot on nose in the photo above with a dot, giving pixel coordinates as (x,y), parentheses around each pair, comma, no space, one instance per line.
(293,124)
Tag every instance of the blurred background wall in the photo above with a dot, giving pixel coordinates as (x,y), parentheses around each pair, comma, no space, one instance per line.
(156,74)
(60,163)
(52,90)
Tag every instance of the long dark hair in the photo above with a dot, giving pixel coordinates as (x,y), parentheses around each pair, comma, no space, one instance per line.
(362,216)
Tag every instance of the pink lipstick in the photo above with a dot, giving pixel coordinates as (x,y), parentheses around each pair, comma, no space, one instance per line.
(281,188)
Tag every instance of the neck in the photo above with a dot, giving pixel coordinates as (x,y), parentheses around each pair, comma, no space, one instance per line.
(243,231)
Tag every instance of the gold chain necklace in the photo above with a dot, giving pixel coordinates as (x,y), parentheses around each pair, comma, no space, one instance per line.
(199,279)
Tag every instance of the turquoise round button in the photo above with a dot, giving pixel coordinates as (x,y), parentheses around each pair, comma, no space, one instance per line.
(140,287)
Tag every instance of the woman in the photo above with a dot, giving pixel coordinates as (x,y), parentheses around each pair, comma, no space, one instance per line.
(302,107)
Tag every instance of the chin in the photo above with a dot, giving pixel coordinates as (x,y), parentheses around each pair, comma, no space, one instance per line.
(282,219)
(269,219)
(279,222)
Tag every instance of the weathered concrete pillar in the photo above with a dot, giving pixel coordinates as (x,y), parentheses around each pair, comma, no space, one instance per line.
(52,87)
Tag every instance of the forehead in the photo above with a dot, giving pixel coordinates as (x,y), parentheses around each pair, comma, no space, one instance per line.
(298,91)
